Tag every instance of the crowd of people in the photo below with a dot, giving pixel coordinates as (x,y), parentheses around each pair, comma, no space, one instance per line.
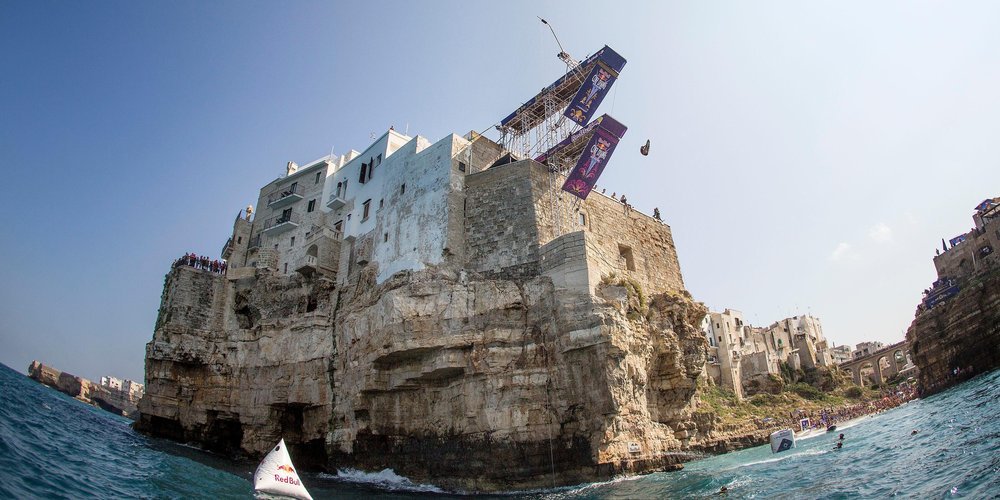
(831,416)
(202,262)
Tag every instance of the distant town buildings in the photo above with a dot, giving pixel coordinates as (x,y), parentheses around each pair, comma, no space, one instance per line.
(866,349)
(128,389)
(840,354)
(740,353)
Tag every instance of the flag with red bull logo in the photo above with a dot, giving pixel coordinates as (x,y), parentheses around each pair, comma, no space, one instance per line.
(589,167)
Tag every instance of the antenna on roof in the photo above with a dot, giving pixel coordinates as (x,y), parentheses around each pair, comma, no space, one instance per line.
(562,55)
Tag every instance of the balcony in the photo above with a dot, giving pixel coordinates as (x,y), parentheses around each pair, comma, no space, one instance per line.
(335,202)
(277,225)
(306,264)
(285,196)
(254,243)
(227,249)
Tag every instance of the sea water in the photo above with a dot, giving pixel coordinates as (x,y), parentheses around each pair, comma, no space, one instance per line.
(52,446)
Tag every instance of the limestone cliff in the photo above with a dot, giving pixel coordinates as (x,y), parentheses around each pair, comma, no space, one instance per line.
(960,337)
(442,375)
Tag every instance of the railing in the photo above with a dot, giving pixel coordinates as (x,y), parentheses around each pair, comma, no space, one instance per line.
(285,192)
(294,218)
(225,248)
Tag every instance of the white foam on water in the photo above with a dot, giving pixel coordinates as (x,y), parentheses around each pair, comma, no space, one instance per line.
(385,479)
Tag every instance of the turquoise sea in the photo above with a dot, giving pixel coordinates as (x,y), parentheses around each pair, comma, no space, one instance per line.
(52,446)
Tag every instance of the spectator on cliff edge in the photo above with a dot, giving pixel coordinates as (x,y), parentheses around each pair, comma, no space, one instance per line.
(656,214)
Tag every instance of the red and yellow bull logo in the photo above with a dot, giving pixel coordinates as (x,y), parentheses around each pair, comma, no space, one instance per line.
(287,468)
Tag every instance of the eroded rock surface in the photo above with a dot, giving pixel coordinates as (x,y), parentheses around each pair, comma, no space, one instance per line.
(443,375)
(961,337)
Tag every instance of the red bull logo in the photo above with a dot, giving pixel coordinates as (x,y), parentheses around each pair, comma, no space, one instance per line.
(287,468)
(288,480)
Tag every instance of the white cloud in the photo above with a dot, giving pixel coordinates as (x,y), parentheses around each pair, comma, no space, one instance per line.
(843,251)
(880,233)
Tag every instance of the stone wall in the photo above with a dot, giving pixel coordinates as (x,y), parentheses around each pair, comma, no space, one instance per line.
(501,236)
(502,202)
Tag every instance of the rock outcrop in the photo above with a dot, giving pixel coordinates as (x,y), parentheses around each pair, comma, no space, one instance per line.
(443,375)
(959,338)
(83,390)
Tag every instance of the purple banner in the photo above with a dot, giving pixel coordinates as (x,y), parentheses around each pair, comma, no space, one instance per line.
(956,240)
(594,158)
(590,95)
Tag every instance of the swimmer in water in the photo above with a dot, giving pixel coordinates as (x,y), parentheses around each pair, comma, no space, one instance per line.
(839,446)
(841,436)
(914,432)
(723,490)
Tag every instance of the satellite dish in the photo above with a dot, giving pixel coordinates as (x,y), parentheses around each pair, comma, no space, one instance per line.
(645,149)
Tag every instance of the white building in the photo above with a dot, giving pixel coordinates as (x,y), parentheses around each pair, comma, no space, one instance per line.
(865,348)
(398,204)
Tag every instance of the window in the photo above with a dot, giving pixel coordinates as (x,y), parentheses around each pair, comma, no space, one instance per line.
(385,237)
(312,206)
(339,185)
(364,172)
(583,219)
(286,268)
(239,239)
(286,215)
(379,160)
(338,226)
(461,166)
(381,203)
(402,189)
(366,207)
(348,216)
(317,177)
(291,243)
(371,167)
(625,256)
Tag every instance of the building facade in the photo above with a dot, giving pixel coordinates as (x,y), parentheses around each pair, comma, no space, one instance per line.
(741,353)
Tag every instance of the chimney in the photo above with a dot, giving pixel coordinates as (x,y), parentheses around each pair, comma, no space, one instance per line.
(292,168)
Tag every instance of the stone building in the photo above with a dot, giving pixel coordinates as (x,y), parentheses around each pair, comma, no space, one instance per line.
(741,353)
(425,307)
(974,250)
(841,354)
(866,348)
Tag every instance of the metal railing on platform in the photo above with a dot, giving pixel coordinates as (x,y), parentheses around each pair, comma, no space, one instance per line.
(294,218)
(285,192)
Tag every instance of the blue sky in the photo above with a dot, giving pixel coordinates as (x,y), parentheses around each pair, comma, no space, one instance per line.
(808,156)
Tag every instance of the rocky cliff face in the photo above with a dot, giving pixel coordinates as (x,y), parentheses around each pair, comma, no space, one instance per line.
(83,389)
(961,337)
(443,375)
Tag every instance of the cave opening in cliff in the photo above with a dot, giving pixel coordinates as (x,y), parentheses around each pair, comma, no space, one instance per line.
(223,432)
(246,314)
(289,417)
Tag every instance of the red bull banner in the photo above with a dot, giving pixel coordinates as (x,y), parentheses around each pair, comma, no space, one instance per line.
(595,157)
(591,93)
